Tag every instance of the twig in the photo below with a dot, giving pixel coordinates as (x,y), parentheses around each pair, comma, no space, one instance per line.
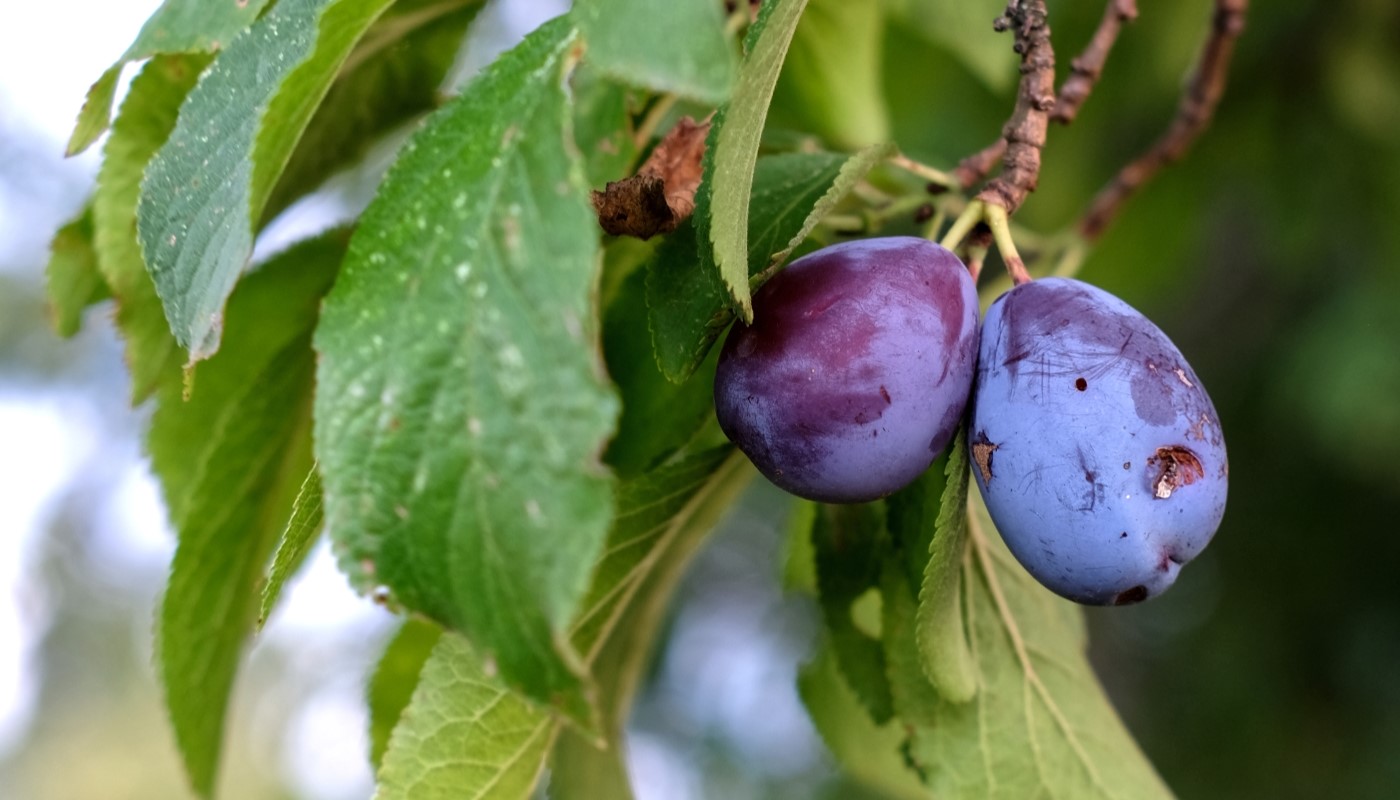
(1086,69)
(1035,99)
(974,169)
(921,170)
(1193,114)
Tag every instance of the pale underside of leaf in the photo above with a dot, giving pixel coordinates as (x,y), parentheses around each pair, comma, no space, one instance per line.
(464,736)
(1040,726)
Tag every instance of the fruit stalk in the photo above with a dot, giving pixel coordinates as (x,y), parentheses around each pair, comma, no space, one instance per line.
(1193,114)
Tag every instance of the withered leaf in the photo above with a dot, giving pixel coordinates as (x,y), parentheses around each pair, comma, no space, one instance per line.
(662,193)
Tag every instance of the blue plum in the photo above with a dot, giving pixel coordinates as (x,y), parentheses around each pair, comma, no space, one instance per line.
(1096,448)
(856,371)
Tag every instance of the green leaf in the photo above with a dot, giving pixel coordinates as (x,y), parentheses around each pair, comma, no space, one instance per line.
(146,119)
(799,562)
(688,304)
(914,697)
(461,408)
(393,75)
(602,125)
(941,634)
(208,185)
(678,502)
(299,536)
(677,47)
(464,734)
(230,460)
(1040,726)
(964,28)
(395,677)
(662,519)
(178,26)
(801,185)
(739,127)
(73,280)
(658,415)
(832,81)
(851,548)
(870,753)
(580,770)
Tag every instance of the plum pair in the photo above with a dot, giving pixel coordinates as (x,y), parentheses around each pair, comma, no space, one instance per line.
(1098,452)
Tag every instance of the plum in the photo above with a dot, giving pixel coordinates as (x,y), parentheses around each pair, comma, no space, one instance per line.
(1096,448)
(856,371)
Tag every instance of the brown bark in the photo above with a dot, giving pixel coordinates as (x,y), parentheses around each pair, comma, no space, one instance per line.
(1025,132)
(1193,114)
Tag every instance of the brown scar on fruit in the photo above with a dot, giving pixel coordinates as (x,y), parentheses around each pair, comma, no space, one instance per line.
(1175,466)
(662,194)
(1137,594)
(982,450)
(1181,375)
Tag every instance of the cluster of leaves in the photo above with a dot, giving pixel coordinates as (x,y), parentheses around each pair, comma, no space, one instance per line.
(502,419)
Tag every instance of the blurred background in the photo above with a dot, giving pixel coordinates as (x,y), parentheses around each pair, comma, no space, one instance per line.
(1270,256)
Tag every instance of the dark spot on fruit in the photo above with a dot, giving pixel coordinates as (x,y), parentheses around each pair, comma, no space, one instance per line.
(1172,468)
(1081,384)
(982,450)
(1123,535)
(1127,465)
(1137,594)
(885,394)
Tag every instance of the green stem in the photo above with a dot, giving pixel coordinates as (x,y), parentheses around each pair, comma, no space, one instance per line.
(1000,223)
(963,225)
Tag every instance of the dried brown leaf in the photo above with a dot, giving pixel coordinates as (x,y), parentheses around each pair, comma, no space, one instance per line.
(662,193)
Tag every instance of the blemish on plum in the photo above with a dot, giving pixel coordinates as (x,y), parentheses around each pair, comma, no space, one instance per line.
(1081,384)
(1137,594)
(982,450)
(885,393)
(1174,467)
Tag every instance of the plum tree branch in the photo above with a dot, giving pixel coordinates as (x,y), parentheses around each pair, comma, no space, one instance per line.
(1024,133)
(1194,112)
(1085,71)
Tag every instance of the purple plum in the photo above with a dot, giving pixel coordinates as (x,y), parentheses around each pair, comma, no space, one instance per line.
(856,371)
(1094,444)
